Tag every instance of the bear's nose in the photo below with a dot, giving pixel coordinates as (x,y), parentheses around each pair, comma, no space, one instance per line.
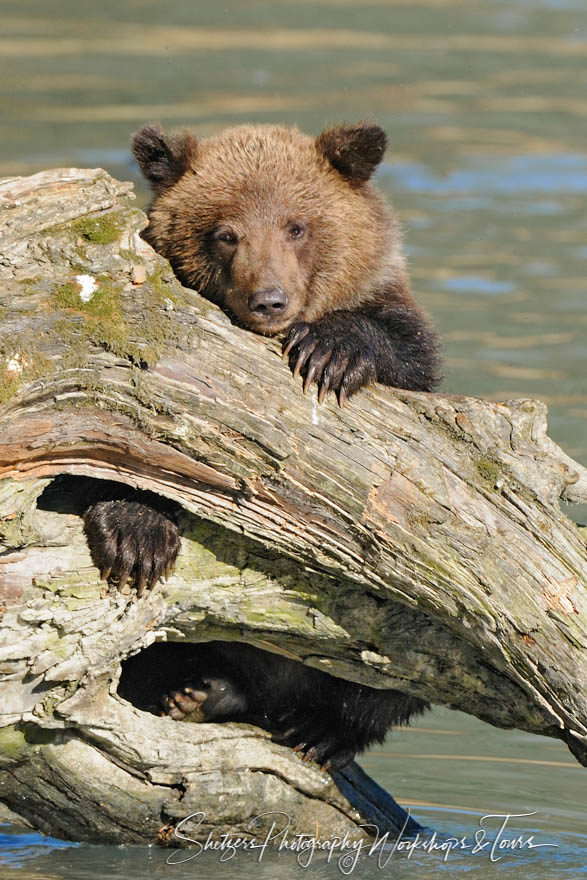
(266,303)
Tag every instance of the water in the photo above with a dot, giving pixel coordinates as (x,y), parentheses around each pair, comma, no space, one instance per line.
(450,770)
(485,104)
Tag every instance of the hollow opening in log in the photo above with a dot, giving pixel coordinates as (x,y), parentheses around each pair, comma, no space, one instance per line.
(67,494)
(150,678)
(328,718)
(74,494)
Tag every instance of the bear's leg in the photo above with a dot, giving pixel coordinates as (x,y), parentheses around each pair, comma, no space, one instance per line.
(345,350)
(328,719)
(320,743)
(344,718)
(134,537)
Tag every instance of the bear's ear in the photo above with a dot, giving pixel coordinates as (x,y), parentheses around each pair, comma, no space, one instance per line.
(163,158)
(354,150)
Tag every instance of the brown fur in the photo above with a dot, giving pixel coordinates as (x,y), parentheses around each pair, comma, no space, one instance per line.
(287,234)
(254,180)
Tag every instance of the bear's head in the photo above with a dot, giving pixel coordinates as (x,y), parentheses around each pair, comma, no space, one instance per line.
(273,225)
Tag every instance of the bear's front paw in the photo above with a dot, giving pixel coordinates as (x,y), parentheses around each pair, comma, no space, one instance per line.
(129,539)
(336,362)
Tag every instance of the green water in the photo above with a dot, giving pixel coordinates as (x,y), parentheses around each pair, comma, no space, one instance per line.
(485,105)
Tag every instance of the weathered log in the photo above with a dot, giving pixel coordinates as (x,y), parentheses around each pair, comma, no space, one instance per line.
(408,540)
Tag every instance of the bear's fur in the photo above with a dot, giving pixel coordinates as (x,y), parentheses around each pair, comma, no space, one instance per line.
(327,718)
(288,235)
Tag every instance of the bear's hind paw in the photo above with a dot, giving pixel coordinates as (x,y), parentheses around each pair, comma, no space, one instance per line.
(185,705)
(325,748)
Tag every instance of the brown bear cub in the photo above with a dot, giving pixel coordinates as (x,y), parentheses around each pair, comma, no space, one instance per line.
(287,234)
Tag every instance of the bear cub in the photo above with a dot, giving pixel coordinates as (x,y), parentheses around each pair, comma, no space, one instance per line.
(288,235)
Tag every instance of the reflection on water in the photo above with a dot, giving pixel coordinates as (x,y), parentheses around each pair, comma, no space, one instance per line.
(484,102)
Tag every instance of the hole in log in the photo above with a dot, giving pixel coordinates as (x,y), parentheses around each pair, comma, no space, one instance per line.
(74,494)
(151,678)
(327,718)
(68,494)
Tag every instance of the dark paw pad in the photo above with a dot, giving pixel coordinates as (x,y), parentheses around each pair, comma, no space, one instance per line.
(129,539)
(207,699)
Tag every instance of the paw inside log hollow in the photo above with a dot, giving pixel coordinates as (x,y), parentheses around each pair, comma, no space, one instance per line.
(324,718)
(131,540)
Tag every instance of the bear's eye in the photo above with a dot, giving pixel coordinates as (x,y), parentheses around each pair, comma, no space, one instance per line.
(226,236)
(295,231)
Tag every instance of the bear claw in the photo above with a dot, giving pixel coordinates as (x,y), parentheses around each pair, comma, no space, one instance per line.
(129,540)
(333,363)
(295,335)
(324,749)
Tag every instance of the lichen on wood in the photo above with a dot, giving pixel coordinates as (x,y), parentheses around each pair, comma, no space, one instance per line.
(410,541)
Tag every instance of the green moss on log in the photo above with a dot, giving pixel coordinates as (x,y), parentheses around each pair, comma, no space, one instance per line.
(100,321)
(13,744)
(489,470)
(105,229)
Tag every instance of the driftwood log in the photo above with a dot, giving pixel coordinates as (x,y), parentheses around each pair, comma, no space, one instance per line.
(408,540)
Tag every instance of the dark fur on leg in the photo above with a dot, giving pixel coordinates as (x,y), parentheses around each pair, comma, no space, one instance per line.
(325,718)
(132,537)
(345,350)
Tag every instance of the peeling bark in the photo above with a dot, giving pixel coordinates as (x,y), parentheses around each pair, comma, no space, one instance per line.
(410,541)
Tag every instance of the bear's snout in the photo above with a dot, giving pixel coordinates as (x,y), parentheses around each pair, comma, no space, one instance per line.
(269,303)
